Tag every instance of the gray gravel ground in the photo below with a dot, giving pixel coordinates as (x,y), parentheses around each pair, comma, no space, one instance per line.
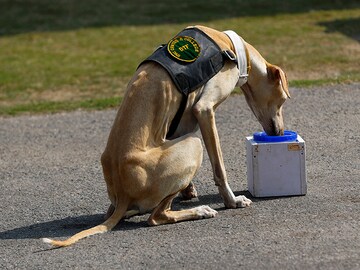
(52,186)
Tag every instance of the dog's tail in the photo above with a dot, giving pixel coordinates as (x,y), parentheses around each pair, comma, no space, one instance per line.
(108,225)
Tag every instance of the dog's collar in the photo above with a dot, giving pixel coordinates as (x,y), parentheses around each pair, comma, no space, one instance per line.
(242,56)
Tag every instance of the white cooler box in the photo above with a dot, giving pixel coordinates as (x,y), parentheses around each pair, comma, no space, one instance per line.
(276,165)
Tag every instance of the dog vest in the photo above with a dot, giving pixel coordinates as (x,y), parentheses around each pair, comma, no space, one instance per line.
(192,58)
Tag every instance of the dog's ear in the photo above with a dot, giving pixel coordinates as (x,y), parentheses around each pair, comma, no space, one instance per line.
(276,75)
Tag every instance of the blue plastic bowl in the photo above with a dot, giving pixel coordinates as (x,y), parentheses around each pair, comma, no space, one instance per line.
(288,136)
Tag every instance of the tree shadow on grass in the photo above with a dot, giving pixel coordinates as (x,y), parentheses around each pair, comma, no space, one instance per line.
(348,27)
(23,16)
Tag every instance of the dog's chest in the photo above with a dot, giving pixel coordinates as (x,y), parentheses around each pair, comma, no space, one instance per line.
(191,58)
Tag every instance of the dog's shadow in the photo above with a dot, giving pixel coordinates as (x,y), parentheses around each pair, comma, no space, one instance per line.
(70,225)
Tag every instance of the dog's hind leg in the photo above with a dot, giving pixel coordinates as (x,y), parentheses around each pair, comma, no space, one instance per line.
(180,160)
(163,214)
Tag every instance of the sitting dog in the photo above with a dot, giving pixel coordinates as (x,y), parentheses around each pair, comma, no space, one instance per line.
(144,166)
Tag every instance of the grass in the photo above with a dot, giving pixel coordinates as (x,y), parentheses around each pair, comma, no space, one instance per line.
(52,107)
(67,54)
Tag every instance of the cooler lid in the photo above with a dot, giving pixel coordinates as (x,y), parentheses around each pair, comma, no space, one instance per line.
(287,137)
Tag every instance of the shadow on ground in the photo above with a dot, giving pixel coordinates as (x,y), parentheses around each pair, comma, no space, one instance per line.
(70,225)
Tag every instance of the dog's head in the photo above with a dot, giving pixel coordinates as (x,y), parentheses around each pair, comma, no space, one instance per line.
(265,95)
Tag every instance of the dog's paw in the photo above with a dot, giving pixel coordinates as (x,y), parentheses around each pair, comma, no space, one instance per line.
(242,201)
(205,211)
(189,192)
(131,213)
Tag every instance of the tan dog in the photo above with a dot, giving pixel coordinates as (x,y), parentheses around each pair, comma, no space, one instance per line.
(144,171)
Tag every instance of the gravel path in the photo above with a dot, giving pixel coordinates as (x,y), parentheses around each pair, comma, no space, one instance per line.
(52,186)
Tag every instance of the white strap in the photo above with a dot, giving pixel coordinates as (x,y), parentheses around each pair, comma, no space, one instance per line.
(239,45)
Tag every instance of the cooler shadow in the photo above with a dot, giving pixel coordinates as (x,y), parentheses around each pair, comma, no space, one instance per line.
(25,16)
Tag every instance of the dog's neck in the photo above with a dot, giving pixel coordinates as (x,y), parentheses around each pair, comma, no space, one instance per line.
(242,56)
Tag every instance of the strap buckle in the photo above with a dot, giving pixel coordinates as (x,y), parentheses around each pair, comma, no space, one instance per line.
(230,55)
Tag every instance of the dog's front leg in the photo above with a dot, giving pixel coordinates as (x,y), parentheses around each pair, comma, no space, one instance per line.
(206,119)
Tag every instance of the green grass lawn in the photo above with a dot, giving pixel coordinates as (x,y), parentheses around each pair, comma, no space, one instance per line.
(69,54)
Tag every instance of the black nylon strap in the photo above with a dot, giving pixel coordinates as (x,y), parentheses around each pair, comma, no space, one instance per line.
(175,122)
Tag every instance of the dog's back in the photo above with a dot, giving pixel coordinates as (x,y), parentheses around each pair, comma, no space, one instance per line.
(149,105)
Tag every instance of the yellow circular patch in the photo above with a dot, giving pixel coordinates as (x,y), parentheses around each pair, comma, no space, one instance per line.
(184,48)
